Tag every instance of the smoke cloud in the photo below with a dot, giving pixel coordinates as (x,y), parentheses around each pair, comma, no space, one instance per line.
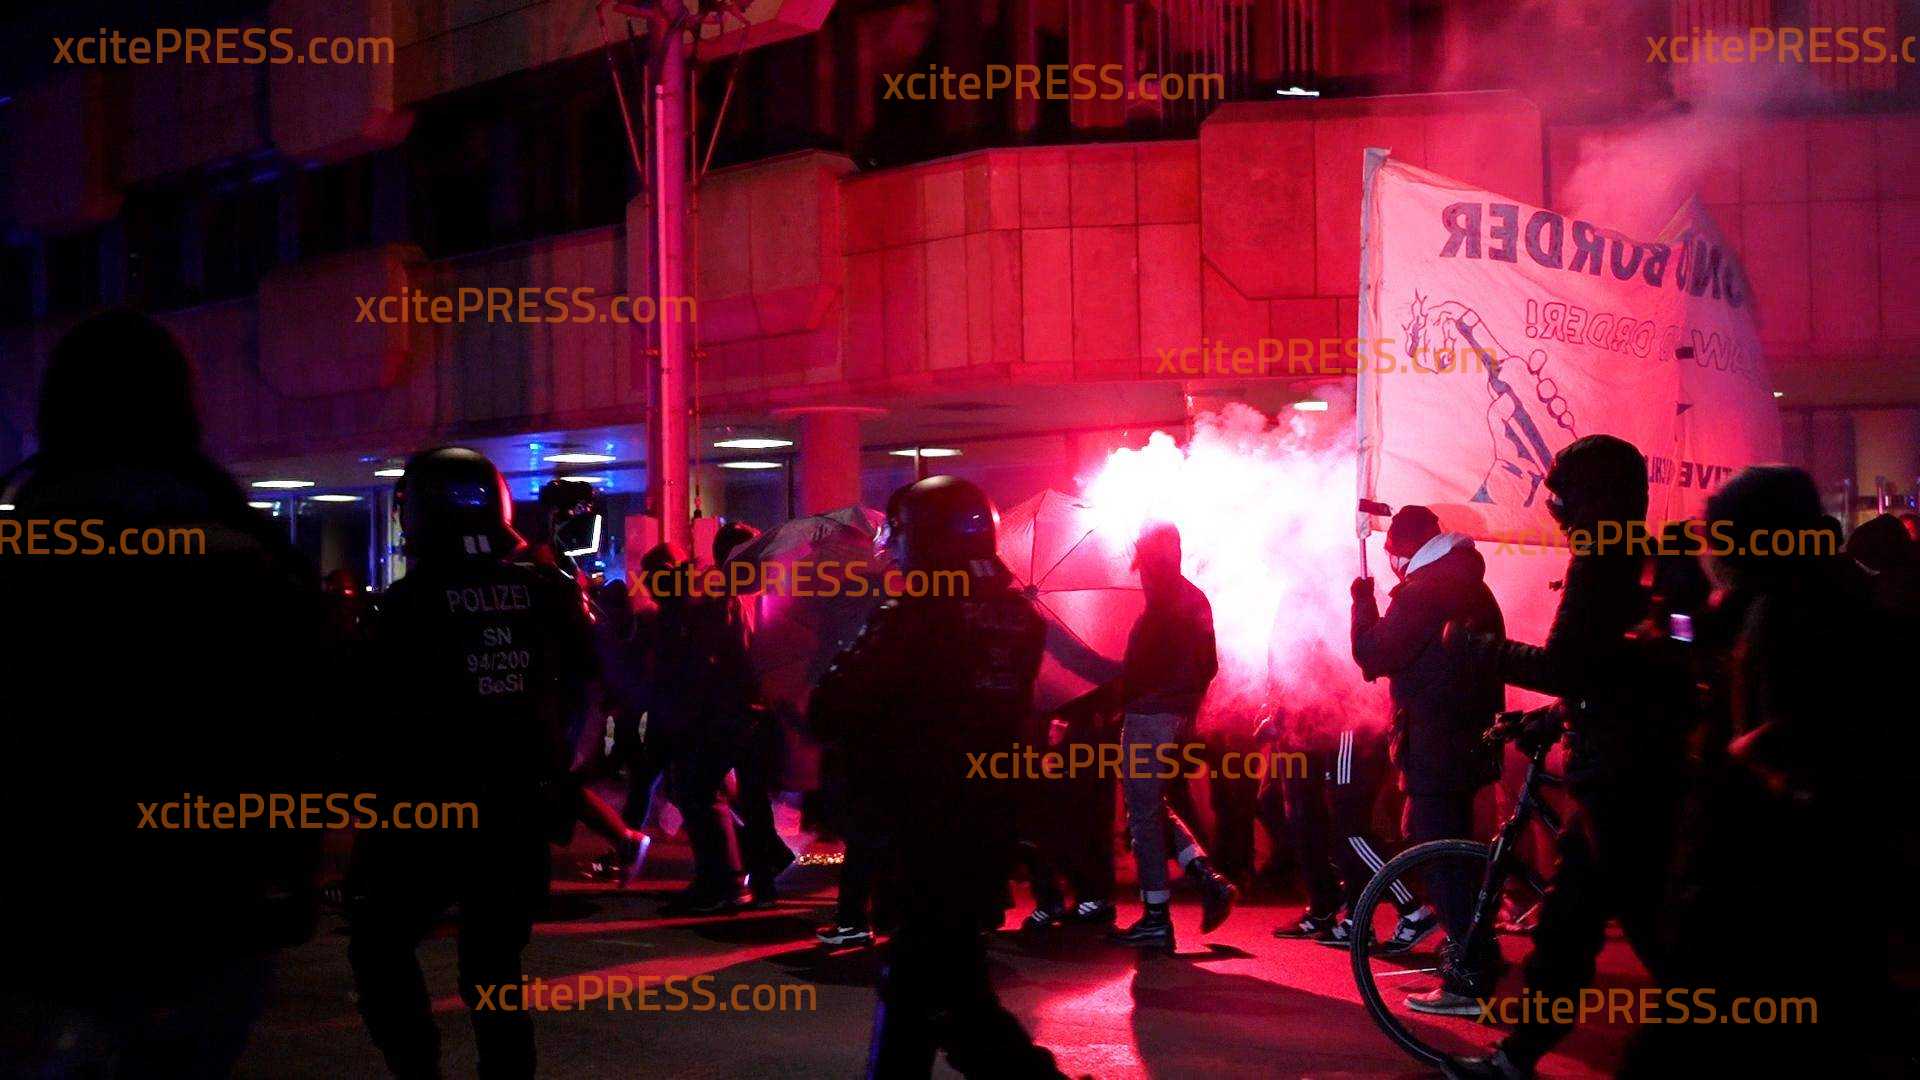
(1266,515)
(1265,512)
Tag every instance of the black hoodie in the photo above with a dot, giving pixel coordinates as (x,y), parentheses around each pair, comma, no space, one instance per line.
(1439,709)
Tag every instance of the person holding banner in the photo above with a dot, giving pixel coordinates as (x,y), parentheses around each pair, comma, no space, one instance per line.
(1440,707)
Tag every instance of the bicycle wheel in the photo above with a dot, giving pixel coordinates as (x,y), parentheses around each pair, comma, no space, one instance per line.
(1402,894)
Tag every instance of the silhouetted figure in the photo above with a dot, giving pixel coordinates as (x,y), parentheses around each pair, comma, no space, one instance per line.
(478,657)
(1802,797)
(1440,707)
(1169,663)
(1627,707)
(930,680)
(140,942)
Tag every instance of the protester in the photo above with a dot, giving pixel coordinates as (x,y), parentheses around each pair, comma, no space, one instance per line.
(1891,558)
(764,855)
(704,702)
(1791,805)
(129,680)
(931,679)
(1628,716)
(1440,707)
(1069,820)
(1330,813)
(622,684)
(1169,663)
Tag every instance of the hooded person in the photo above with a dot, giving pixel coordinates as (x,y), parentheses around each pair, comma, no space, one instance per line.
(1440,705)
(705,701)
(1169,662)
(763,854)
(1799,803)
(130,681)
(1892,562)
(1627,718)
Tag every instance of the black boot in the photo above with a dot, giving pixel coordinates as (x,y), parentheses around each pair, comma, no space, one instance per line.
(1217,894)
(1153,931)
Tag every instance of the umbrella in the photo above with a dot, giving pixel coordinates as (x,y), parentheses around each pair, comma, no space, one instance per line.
(795,637)
(1083,587)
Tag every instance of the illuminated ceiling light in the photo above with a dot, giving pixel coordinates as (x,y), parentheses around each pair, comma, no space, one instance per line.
(389,473)
(6,506)
(753,444)
(283,484)
(927,452)
(264,505)
(1295,91)
(335,498)
(1310,405)
(587,479)
(1779,393)
(750,465)
(573,457)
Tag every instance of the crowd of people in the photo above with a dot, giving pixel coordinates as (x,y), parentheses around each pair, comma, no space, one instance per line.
(1731,721)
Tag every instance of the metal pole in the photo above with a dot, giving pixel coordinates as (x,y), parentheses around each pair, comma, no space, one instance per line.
(669,404)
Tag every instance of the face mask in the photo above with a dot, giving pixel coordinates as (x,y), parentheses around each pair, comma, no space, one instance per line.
(1399,564)
(1557,510)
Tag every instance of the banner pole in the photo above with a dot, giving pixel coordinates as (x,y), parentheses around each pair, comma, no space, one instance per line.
(1364,407)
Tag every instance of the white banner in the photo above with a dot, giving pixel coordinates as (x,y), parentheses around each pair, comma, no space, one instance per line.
(1494,333)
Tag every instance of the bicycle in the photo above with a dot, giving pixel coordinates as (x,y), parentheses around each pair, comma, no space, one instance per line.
(1386,977)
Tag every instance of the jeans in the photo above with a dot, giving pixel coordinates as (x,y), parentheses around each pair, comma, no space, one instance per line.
(1157,832)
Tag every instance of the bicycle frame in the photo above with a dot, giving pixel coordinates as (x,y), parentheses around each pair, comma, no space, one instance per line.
(1500,865)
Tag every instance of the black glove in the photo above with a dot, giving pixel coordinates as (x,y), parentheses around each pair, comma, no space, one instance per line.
(1530,729)
(1361,589)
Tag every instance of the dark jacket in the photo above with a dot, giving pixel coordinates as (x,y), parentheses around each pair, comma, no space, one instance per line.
(930,684)
(1170,657)
(133,679)
(1628,715)
(1440,706)
(704,686)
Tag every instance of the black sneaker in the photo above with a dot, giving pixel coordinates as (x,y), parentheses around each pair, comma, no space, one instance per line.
(1154,930)
(1312,927)
(832,934)
(1411,930)
(1043,918)
(1093,913)
(1339,935)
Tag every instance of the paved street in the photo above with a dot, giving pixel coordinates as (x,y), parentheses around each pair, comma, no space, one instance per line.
(1236,1003)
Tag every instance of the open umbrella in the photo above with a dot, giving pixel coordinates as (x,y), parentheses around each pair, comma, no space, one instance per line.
(796,637)
(1084,587)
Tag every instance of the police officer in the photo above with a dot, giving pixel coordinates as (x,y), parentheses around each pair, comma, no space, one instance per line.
(931,679)
(477,654)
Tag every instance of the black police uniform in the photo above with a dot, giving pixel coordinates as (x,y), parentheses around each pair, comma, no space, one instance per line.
(480,657)
(929,680)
